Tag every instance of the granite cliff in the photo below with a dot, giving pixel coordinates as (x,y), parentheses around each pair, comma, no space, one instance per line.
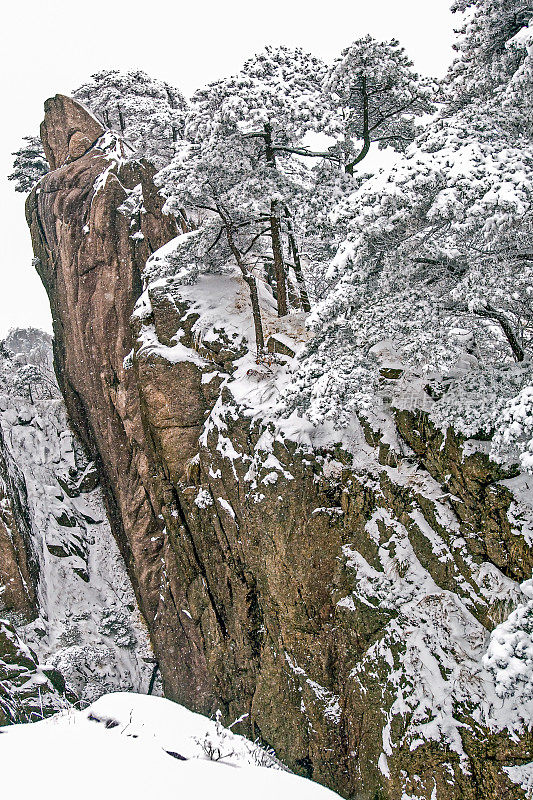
(348,596)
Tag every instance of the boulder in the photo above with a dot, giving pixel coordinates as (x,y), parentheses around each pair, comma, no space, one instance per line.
(69,130)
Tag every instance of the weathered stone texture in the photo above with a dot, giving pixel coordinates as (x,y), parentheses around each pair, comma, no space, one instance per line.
(18,567)
(90,262)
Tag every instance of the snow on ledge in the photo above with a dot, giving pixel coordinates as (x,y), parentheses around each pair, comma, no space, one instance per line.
(140,746)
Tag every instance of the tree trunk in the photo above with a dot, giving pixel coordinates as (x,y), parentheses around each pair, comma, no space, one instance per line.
(275,232)
(121,119)
(366,131)
(250,280)
(256,312)
(279,265)
(304,297)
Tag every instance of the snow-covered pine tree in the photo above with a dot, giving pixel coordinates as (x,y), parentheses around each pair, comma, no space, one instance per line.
(438,248)
(211,180)
(283,101)
(247,132)
(371,94)
(494,55)
(376,96)
(29,164)
(147,112)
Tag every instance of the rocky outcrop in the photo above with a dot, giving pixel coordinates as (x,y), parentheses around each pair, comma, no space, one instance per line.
(341,597)
(344,603)
(94,220)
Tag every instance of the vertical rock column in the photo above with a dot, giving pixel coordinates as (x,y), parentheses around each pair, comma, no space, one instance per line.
(90,251)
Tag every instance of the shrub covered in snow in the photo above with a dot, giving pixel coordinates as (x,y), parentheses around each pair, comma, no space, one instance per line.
(510,655)
(514,436)
(28,691)
(477,402)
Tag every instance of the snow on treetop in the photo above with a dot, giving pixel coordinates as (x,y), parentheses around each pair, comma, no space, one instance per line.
(148,112)
(279,86)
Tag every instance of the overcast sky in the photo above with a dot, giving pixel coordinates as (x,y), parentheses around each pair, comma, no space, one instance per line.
(51,46)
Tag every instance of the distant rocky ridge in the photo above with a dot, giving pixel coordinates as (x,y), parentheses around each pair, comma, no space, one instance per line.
(342,594)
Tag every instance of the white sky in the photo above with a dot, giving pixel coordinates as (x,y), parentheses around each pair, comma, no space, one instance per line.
(52,46)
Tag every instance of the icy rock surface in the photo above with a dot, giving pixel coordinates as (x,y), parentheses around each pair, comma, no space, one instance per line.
(88,626)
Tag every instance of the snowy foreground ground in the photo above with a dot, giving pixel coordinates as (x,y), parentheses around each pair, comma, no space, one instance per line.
(135,746)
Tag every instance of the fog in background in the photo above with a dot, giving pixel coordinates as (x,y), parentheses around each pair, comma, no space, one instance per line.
(50,47)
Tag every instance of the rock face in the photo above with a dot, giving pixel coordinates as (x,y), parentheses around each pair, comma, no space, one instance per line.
(343,602)
(18,567)
(69,131)
(63,584)
(94,221)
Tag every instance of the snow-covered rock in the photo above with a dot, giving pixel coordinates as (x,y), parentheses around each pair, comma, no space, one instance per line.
(88,626)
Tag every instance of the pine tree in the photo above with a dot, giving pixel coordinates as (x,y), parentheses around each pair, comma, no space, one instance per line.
(29,165)
(376,96)
(148,113)
(247,132)
(494,53)
(439,248)
(209,179)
